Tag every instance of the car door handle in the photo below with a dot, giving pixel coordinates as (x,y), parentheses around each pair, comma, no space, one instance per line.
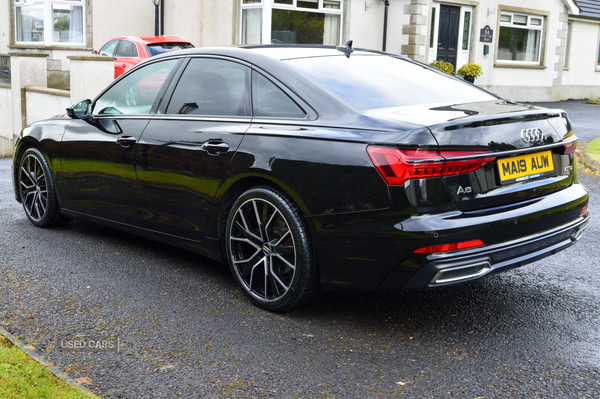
(126,141)
(214,148)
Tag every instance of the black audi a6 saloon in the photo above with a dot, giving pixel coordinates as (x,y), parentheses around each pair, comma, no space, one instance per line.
(306,167)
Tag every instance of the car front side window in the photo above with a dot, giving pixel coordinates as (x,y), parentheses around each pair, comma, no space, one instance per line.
(136,93)
(109,48)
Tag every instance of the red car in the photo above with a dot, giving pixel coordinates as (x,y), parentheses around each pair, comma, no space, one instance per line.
(131,50)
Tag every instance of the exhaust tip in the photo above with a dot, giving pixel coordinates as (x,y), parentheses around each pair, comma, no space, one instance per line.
(461,273)
(577,234)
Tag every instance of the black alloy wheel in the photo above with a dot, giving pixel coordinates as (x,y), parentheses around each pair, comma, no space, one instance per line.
(37,189)
(269,250)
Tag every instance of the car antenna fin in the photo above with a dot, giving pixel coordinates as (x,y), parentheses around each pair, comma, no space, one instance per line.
(346,48)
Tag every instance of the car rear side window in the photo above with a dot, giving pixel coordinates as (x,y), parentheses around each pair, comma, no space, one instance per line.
(127,49)
(109,48)
(369,81)
(135,94)
(211,87)
(269,100)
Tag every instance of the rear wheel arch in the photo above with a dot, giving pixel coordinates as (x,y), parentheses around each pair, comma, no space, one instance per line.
(287,261)
(232,189)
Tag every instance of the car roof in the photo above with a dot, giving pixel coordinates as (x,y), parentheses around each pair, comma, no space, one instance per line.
(153,39)
(276,52)
(286,52)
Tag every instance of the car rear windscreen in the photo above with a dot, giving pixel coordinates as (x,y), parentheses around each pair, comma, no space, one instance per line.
(160,48)
(369,81)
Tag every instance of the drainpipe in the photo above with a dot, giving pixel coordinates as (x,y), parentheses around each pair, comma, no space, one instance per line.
(162,18)
(156,4)
(385,19)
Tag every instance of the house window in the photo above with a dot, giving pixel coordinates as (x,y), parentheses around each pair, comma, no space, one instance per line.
(598,63)
(520,38)
(50,22)
(291,21)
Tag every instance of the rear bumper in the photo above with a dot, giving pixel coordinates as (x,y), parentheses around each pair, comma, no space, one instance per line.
(367,251)
(452,268)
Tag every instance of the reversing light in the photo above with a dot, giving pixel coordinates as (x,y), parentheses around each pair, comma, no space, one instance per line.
(449,247)
(396,166)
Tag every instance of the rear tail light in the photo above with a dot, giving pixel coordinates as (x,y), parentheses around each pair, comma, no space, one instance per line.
(396,166)
(449,247)
(569,148)
(584,210)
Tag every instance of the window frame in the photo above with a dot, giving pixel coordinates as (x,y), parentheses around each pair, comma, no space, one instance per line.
(172,87)
(598,51)
(48,29)
(254,99)
(135,46)
(267,7)
(512,11)
(158,100)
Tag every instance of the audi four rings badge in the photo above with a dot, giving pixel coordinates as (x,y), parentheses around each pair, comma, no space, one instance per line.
(532,135)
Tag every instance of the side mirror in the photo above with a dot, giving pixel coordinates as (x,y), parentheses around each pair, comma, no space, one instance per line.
(80,110)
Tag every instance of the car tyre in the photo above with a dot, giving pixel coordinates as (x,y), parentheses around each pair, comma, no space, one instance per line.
(37,190)
(269,250)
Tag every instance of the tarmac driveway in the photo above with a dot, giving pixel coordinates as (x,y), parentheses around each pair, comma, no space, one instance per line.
(168,323)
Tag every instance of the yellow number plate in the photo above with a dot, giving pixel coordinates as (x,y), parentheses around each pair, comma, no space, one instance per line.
(525,167)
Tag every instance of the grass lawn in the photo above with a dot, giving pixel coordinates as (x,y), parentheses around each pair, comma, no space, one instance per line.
(22,377)
(593,149)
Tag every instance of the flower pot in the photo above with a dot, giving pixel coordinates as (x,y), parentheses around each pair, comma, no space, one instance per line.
(470,78)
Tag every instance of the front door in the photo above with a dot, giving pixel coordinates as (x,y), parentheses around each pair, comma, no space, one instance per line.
(98,155)
(449,22)
(188,145)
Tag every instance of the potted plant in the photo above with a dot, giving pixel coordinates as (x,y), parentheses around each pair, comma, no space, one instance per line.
(470,71)
(443,65)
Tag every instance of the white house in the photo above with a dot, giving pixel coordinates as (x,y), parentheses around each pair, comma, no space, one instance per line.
(534,50)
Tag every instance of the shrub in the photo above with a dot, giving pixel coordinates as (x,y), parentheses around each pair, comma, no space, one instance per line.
(471,69)
(443,65)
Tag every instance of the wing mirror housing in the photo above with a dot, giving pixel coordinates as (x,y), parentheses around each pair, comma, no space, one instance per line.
(80,110)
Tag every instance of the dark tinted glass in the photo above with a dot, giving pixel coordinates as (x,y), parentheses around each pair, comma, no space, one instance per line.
(159,48)
(373,82)
(126,49)
(211,87)
(269,101)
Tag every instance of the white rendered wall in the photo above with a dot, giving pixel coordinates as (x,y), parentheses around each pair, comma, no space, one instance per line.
(123,18)
(217,28)
(184,19)
(582,78)
(4,27)
(520,84)
(43,106)
(6,134)
(90,75)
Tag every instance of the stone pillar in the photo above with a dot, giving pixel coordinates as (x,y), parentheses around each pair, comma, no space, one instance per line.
(416,29)
(27,69)
(560,53)
(90,74)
